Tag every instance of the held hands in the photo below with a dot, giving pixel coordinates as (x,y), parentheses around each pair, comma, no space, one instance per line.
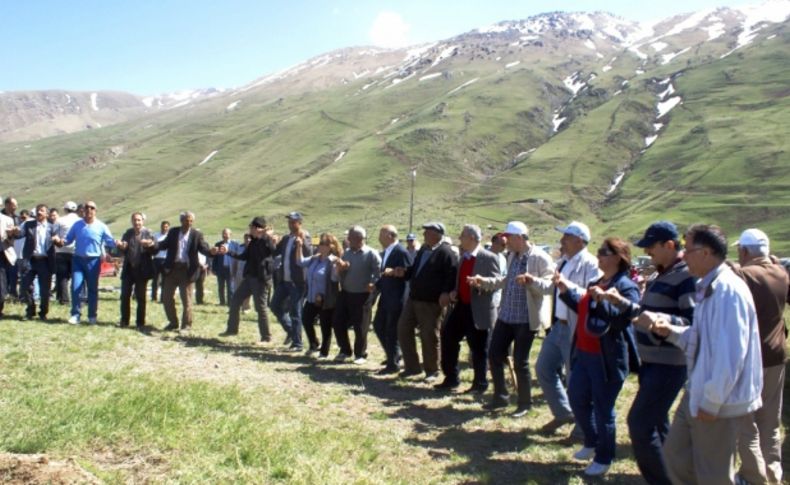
(341,265)
(614,297)
(597,293)
(653,322)
(475,281)
(122,245)
(147,243)
(57,241)
(524,279)
(559,282)
(398,272)
(444,299)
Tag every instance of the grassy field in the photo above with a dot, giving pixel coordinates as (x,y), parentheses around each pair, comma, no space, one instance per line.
(162,408)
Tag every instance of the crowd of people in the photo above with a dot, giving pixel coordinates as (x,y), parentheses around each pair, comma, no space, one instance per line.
(696,321)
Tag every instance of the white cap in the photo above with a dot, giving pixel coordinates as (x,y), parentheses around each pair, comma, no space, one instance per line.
(516,228)
(71,206)
(752,237)
(575,228)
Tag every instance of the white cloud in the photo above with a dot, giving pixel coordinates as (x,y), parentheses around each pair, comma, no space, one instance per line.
(389,30)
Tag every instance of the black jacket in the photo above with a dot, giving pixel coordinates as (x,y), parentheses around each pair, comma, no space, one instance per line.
(138,261)
(437,275)
(259,255)
(195,244)
(28,231)
(297,272)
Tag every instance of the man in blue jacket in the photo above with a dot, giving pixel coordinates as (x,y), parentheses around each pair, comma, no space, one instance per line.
(38,260)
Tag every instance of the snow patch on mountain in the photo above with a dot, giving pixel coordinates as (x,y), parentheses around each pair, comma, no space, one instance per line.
(512,64)
(667,58)
(665,107)
(208,157)
(430,76)
(573,83)
(590,44)
(232,105)
(446,53)
(659,46)
(94,101)
(467,83)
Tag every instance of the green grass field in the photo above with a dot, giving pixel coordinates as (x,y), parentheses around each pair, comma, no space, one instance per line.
(162,408)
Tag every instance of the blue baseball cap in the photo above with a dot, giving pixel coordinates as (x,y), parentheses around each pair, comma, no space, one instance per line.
(661,231)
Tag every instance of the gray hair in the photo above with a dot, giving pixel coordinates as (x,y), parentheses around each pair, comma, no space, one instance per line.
(358,230)
(473,230)
(757,250)
(186,214)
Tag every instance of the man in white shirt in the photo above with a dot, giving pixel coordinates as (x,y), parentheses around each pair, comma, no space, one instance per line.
(159,260)
(580,267)
(7,255)
(64,254)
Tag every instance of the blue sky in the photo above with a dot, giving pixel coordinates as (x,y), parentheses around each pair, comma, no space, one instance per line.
(153,47)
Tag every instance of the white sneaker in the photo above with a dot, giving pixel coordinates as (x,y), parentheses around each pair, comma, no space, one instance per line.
(584,454)
(360,360)
(91,321)
(341,357)
(596,469)
(74,320)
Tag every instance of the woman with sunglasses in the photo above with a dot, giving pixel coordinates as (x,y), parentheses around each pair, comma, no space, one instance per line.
(603,347)
(322,290)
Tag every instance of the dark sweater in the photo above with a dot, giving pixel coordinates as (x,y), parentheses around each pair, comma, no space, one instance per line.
(259,257)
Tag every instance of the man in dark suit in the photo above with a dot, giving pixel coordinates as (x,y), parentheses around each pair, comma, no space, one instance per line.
(220,266)
(289,294)
(182,268)
(431,278)
(473,314)
(38,260)
(137,244)
(391,294)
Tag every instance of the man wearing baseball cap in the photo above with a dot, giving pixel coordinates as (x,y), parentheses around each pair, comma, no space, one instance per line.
(580,267)
(669,295)
(64,254)
(524,309)
(768,283)
(431,278)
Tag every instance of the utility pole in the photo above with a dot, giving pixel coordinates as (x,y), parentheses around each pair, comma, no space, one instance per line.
(411,201)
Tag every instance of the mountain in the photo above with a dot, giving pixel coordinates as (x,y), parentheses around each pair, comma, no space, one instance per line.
(30,115)
(556,117)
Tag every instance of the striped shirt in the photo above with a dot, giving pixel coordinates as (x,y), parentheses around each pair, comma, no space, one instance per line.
(513,308)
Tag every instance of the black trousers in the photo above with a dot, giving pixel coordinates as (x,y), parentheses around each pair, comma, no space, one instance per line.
(310,312)
(36,267)
(460,325)
(199,284)
(3,283)
(62,277)
(223,287)
(250,286)
(133,283)
(503,335)
(349,313)
(159,274)
(386,327)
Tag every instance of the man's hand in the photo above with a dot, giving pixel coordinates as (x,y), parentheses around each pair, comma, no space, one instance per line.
(122,245)
(453,296)
(475,281)
(147,243)
(341,265)
(559,282)
(444,299)
(597,293)
(661,327)
(524,279)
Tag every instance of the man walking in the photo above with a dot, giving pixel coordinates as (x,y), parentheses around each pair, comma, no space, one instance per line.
(38,261)
(725,370)
(64,254)
(137,244)
(391,294)
(182,269)
(473,313)
(220,266)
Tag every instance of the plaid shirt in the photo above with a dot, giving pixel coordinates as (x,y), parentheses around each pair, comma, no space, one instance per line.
(513,308)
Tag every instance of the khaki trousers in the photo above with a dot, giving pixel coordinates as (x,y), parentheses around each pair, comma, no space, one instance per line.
(427,316)
(702,452)
(178,278)
(760,443)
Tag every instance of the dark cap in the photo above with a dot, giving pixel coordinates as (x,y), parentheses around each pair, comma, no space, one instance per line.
(660,231)
(259,221)
(411,237)
(294,216)
(436,226)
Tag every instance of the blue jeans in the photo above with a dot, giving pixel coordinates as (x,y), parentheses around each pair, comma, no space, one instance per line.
(592,399)
(555,353)
(85,273)
(648,421)
(290,314)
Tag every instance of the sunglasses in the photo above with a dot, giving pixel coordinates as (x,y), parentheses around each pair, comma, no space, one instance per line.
(91,207)
(605,252)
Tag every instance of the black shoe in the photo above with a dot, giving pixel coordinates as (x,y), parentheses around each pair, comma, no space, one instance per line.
(170,328)
(446,385)
(520,411)
(386,371)
(495,404)
(287,342)
(476,389)
(123,325)
(228,333)
(552,426)
(406,374)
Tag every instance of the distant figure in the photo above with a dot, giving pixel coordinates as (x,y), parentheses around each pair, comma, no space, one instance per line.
(137,244)
(182,269)
(159,261)
(220,266)
(90,235)
(411,245)
(64,254)
(38,261)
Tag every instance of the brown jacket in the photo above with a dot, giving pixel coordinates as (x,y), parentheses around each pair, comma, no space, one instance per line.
(768,283)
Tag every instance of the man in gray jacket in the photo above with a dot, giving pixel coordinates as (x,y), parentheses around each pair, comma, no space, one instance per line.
(473,313)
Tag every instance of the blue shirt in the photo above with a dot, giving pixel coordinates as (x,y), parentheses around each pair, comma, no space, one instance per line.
(316,277)
(88,238)
(513,308)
